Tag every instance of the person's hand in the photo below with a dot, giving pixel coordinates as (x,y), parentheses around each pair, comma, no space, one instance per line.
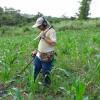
(34,53)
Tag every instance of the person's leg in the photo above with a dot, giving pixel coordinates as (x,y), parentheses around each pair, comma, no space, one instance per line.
(37,67)
(46,69)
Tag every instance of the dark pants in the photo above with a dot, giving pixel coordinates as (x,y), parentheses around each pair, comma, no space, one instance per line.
(45,67)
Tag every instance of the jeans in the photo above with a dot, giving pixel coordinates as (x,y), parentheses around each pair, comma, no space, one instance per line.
(45,67)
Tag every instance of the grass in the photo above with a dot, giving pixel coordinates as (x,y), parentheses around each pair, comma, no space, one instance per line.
(76,71)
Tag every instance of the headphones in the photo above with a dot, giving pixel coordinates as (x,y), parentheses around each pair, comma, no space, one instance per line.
(45,23)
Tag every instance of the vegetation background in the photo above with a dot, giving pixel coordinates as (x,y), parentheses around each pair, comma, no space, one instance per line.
(76,71)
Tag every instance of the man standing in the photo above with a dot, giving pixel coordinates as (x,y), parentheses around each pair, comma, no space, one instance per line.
(45,53)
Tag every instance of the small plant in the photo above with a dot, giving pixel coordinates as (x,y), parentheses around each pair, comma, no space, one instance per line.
(16,94)
(78,87)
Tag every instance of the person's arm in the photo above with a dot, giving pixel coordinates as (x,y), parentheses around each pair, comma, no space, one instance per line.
(49,41)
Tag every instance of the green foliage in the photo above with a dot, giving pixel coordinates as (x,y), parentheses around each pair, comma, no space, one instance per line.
(76,71)
(79,88)
(12,17)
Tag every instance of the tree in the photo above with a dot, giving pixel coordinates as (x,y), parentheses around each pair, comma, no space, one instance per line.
(1,11)
(84,9)
(11,16)
(1,14)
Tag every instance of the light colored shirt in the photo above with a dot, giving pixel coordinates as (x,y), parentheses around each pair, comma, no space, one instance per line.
(43,46)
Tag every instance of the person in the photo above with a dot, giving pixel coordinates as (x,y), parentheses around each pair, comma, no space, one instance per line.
(44,55)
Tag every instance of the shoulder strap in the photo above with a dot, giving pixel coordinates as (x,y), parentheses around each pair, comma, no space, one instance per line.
(48,29)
